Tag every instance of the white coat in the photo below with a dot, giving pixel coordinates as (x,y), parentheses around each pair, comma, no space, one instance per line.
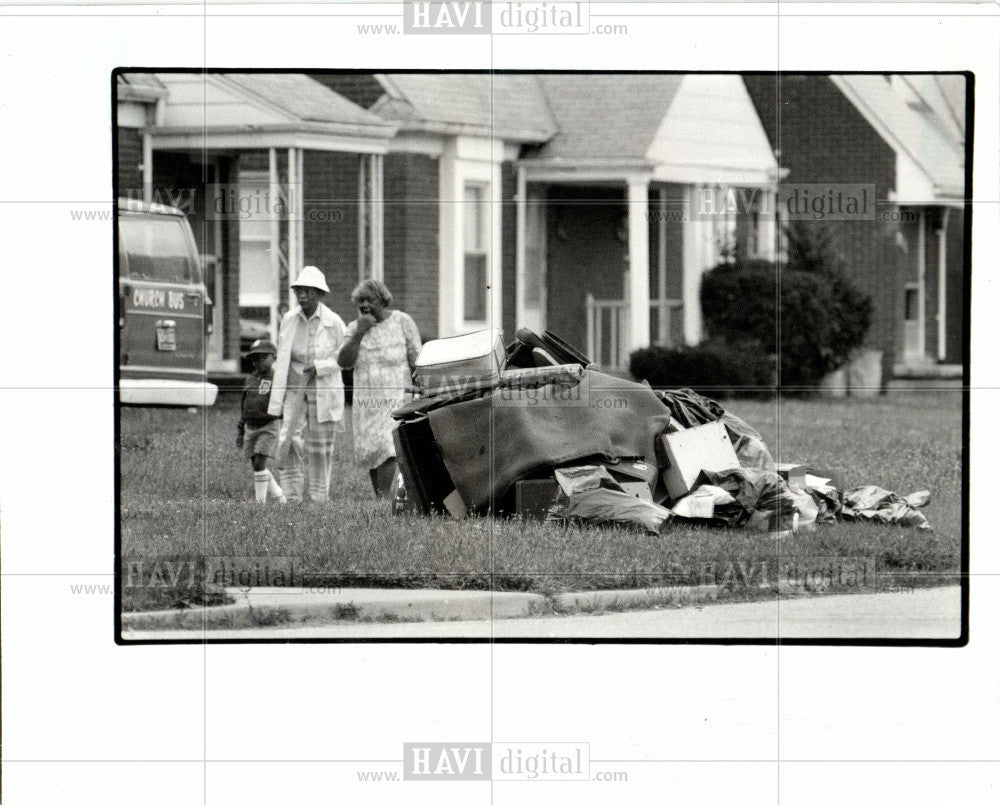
(329,382)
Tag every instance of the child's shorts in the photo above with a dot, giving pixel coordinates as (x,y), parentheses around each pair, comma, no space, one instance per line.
(262,441)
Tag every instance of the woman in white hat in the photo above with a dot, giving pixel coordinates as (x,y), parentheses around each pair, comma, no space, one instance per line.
(308,389)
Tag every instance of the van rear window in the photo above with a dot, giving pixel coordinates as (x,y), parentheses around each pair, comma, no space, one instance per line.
(157,249)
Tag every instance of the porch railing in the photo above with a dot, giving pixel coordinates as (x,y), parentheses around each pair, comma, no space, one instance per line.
(608,341)
(666,325)
(607,331)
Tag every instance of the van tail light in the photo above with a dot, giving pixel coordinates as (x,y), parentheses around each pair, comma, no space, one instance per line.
(121,311)
(209,315)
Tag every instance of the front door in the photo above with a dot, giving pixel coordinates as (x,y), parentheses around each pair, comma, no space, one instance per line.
(587,232)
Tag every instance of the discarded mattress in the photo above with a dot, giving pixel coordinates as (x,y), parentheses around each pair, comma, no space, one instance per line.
(488,443)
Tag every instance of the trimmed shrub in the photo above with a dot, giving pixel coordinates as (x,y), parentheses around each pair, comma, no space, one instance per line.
(712,369)
(812,248)
(810,312)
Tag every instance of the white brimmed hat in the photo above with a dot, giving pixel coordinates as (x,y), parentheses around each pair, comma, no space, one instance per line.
(311,277)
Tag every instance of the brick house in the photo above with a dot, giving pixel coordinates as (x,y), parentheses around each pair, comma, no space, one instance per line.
(590,204)
(515,200)
(905,135)
(275,172)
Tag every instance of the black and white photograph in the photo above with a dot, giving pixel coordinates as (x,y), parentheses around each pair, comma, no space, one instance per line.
(567,355)
(402,394)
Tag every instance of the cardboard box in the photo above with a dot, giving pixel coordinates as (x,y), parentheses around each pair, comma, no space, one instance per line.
(799,476)
(794,474)
(533,498)
(629,469)
(688,452)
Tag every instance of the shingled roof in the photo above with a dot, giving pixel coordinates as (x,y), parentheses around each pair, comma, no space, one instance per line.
(509,106)
(304,98)
(614,116)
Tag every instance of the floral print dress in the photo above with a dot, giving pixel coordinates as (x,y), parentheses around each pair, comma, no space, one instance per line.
(381,375)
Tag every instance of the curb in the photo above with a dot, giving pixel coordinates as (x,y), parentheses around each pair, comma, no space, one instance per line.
(236,615)
(603,600)
(283,605)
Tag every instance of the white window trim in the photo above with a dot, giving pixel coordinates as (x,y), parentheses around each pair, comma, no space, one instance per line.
(467,159)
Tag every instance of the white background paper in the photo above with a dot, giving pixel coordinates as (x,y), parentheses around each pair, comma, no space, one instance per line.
(86,721)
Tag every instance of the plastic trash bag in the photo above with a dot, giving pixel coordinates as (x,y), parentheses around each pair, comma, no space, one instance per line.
(609,507)
(807,508)
(879,505)
(590,494)
(702,502)
(753,453)
(826,497)
(753,490)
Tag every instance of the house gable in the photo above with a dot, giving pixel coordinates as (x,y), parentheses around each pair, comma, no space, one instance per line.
(712,130)
(929,164)
(194,98)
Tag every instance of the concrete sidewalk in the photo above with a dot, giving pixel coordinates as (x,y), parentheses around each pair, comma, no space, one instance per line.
(922,614)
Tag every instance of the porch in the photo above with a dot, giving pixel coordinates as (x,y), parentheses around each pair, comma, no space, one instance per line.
(616,266)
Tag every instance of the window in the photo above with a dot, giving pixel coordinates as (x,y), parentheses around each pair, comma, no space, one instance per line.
(911,303)
(476,264)
(753,232)
(723,224)
(259,285)
(157,248)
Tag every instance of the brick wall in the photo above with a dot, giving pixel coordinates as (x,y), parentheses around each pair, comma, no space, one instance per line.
(956,290)
(823,138)
(360,88)
(412,255)
(508,248)
(129,162)
(330,207)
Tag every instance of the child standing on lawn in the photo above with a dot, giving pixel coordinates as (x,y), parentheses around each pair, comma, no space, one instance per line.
(258,431)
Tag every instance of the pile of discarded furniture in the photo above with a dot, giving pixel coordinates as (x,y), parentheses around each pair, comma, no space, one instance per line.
(533,429)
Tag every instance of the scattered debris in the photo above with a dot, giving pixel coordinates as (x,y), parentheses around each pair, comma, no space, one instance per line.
(537,431)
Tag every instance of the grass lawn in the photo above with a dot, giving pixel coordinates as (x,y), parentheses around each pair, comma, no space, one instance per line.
(187,493)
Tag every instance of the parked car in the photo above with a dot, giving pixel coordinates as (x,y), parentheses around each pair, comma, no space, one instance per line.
(163,309)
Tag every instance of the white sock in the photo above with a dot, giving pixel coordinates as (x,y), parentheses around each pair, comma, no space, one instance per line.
(260,480)
(272,487)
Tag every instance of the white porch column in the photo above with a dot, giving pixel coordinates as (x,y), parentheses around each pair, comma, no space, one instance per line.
(494,315)
(273,204)
(942,235)
(637,292)
(662,319)
(363,168)
(377,218)
(768,234)
(521,246)
(693,266)
(147,168)
(295,215)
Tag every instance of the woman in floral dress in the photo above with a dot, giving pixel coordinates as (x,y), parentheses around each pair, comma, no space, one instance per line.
(382,346)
